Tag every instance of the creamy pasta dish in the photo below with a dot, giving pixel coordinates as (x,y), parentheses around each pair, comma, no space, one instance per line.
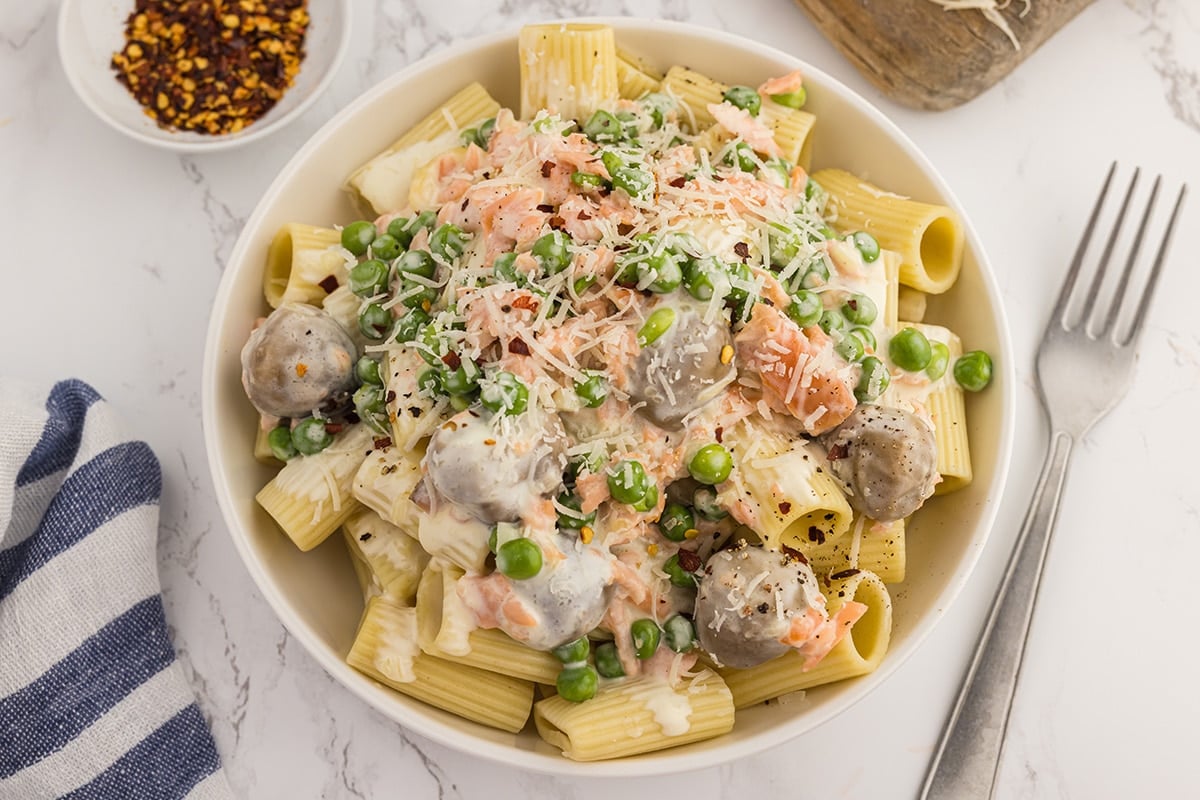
(619,408)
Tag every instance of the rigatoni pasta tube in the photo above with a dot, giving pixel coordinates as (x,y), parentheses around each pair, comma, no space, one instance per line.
(382,184)
(638,715)
(385,648)
(858,653)
(311,496)
(394,558)
(877,547)
(568,68)
(947,409)
(928,237)
(300,260)
(634,78)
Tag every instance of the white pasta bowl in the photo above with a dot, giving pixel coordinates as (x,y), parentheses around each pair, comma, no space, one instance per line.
(316,595)
(90,32)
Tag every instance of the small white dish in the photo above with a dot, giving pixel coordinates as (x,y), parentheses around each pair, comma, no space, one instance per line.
(90,31)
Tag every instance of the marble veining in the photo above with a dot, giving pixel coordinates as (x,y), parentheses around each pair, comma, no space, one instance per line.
(113,256)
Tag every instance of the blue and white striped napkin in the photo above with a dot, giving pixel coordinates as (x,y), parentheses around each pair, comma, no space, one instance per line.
(93,703)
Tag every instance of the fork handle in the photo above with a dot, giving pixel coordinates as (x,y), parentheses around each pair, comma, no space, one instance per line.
(968,754)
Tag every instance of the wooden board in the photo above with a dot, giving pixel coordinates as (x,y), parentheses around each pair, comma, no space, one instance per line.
(923,56)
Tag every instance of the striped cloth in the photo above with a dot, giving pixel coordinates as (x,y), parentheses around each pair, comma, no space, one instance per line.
(93,703)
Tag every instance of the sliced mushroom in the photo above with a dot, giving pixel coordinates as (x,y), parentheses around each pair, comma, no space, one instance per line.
(298,360)
(886,458)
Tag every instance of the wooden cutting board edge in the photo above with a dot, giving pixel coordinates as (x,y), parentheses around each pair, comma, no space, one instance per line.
(925,57)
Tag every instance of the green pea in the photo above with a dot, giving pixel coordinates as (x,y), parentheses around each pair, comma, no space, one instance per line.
(742,157)
(462,381)
(398,230)
(573,652)
(704,277)
(593,390)
(850,348)
(448,241)
(417,262)
(628,482)
(603,128)
(410,325)
(374,321)
(368,278)
(658,105)
(676,520)
(357,236)
(519,559)
(505,393)
(431,383)
(310,437)
(649,500)
(859,309)
(369,405)
(744,98)
(658,323)
(677,574)
(386,247)
(366,369)
(481,136)
(553,251)
(664,268)
(817,274)
(814,191)
(577,684)
(973,370)
(587,180)
(704,500)
(832,321)
(867,336)
(867,246)
(635,182)
(504,268)
(574,518)
(417,295)
(910,350)
(711,464)
(938,361)
(645,634)
(795,99)
(873,380)
(460,402)
(805,308)
(581,284)
(680,633)
(737,295)
(784,243)
(612,161)
(280,441)
(434,345)
(608,662)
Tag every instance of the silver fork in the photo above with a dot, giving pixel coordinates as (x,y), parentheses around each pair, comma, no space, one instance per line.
(1084,338)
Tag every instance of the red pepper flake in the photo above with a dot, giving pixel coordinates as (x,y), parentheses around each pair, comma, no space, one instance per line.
(452,360)
(677,182)
(383,442)
(334,427)
(793,553)
(584,214)
(556,222)
(624,228)
(742,249)
(816,534)
(784,507)
(689,561)
(526,302)
(719,433)
(838,452)
(547,168)
(846,573)
(328,284)
(518,347)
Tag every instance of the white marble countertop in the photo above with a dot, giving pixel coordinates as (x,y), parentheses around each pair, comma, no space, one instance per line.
(115,251)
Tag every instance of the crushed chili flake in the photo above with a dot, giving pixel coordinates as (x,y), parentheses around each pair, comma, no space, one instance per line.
(678,182)
(545,208)
(815,534)
(328,284)
(518,347)
(846,573)
(793,553)
(556,222)
(742,249)
(383,442)
(526,302)
(784,507)
(624,229)
(547,168)
(719,434)
(452,360)
(838,451)
(211,66)
(334,427)
(689,560)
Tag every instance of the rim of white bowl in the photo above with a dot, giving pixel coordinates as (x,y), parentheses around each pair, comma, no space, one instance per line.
(662,762)
(72,67)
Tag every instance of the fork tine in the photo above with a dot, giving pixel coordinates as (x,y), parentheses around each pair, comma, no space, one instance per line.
(1160,258)
(1059,313)
(1090,313)
(1114,308)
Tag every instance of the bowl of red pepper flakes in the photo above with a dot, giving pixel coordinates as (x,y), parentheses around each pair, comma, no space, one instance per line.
(201,75)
